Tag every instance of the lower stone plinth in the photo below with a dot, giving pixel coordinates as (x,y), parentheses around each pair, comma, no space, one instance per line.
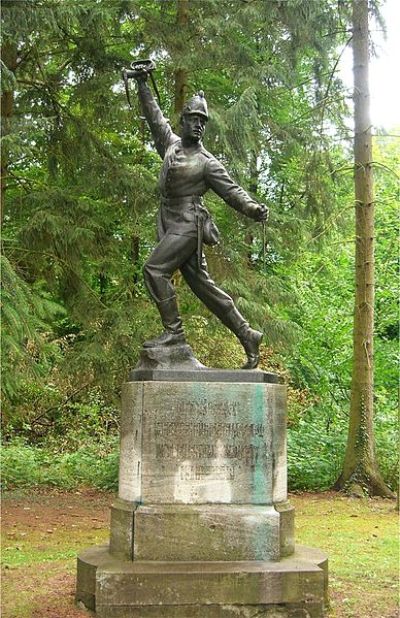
(294,587)
(201,532)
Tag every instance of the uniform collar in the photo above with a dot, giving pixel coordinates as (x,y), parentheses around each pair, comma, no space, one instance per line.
(197,147)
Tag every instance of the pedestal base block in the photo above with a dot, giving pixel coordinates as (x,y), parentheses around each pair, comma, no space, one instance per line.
(149,532)
(294,587)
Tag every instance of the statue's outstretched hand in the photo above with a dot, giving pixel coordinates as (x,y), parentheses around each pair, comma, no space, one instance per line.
(262,213)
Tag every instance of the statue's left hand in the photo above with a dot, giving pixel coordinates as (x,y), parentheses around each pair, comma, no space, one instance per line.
(262,213)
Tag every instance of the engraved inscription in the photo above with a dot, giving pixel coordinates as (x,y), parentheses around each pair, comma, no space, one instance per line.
(198,443)
(210,482)
(205,443)
(170,430)
(248,453)
(197,472)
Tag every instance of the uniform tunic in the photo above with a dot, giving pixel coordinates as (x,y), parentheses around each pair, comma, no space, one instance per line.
(187,174)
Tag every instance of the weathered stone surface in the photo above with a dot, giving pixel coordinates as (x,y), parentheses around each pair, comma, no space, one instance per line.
(195,443)
(87,564)
(200,532)
(202,527)
(130,460)
(217,611)
(286,528)
(307,610)
(172,357)
(122,529)
(205,374)
(206,532)
(278,445)
(158,589)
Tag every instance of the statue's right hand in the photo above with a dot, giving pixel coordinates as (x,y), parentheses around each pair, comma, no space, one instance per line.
(140,69)
(140,75)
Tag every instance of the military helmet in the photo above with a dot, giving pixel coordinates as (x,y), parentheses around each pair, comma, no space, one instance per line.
(196,105)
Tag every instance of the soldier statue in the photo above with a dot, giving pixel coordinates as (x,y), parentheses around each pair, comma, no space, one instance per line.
(188,171)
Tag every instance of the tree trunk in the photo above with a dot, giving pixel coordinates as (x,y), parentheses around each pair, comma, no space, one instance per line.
(360,472)
(181,73)
(9,56)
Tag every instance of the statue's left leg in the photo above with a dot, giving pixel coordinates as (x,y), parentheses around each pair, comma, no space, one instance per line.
(222,305)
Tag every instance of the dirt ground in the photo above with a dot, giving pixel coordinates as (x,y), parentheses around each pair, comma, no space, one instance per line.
(50,510)
(43,532)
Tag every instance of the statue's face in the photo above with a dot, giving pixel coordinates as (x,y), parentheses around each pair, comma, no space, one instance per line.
(193,127)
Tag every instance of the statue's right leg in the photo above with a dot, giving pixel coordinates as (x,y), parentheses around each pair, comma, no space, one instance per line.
(222,305)
(167,257)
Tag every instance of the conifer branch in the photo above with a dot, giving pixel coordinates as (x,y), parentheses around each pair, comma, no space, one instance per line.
(35,420)
(330,80)
(68,265)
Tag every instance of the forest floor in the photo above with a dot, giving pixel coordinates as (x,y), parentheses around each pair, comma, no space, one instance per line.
(43,531)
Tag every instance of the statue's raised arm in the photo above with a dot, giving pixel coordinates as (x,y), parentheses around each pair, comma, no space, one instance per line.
(160,128)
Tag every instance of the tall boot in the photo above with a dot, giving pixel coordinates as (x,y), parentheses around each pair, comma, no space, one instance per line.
(248,337)
(172,323)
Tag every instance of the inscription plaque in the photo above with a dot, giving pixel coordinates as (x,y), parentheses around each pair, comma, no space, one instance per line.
(203,443)
(207,443)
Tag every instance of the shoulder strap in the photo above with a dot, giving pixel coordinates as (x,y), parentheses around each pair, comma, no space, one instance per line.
(206,153)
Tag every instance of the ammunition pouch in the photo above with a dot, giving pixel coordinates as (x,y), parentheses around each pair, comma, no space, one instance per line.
(210,231)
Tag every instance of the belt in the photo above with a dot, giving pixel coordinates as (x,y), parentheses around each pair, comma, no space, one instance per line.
(184,199)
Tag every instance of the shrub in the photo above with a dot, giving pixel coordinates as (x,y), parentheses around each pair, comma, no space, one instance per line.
(95,465)
(315,454)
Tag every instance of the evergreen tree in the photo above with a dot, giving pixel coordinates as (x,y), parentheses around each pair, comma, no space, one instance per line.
(360,470)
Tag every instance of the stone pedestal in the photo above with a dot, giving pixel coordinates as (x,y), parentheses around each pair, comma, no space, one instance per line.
(202,526)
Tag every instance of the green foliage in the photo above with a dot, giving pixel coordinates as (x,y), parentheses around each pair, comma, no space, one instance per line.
(320,361)
(92,465)
(316,445)
(80,192)
(70,445)
(28,348)
(315,453)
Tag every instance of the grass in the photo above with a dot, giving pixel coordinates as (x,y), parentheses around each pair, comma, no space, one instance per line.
(361,538)
(43,532)
(38,549)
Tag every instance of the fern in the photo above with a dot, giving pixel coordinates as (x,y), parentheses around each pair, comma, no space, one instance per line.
(26,330)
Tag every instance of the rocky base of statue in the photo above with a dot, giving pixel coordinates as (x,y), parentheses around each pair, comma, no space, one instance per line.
(202,527)
(177,363)
(168,357)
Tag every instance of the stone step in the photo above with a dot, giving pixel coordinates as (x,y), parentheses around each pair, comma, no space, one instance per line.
(118,589)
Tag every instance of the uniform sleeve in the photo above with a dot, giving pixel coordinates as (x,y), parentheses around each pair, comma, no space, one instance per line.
(218,179)
(160,128)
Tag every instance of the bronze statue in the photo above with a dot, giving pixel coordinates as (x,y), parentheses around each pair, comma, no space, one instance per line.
(188,171)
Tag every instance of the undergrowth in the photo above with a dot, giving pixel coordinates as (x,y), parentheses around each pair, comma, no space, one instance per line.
(93,465)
